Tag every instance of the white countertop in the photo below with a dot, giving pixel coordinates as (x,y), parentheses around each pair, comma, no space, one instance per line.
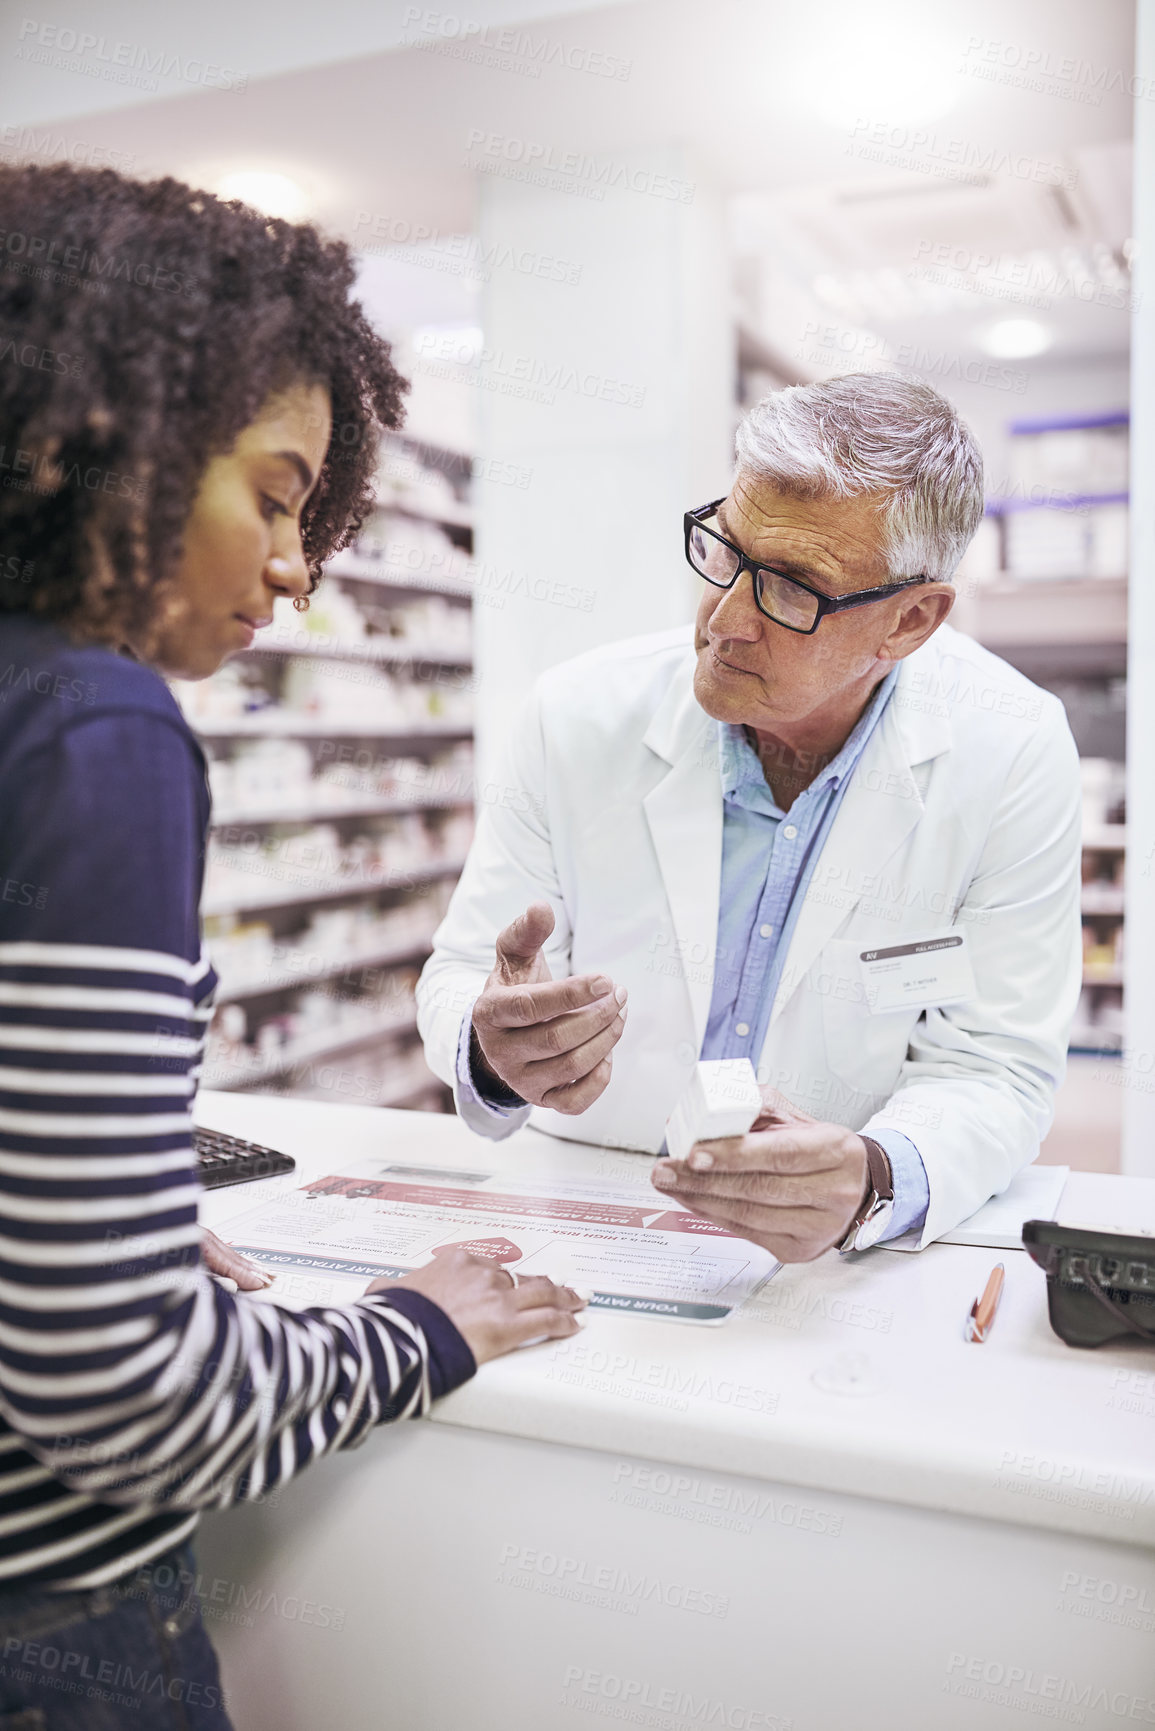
(843,1374)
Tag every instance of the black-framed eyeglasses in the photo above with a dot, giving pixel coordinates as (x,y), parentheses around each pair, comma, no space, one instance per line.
(786,600)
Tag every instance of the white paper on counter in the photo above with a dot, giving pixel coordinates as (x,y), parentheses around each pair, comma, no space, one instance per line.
(634,1249)
(1033,1194)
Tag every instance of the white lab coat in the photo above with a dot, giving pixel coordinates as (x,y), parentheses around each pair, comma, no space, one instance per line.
(963,811)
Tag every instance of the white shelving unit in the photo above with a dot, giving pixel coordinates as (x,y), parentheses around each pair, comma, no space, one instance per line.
(375,654)
(275,724)
(291,978)
(1057,608)
(318,811)
(366,569)
(311,1047)
(320,890)
(340,750)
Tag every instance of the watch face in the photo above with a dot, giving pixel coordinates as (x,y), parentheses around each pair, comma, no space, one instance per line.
(874,1227)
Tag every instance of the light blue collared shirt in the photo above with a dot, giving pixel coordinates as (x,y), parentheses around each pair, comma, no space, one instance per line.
(768,857)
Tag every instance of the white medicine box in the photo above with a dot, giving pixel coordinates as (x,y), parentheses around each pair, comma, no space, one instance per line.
(723,1099)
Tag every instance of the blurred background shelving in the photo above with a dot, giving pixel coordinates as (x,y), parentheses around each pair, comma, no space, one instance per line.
(1045,587)
(340,754)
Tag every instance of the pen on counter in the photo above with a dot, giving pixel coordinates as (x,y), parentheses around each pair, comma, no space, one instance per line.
(982,1312)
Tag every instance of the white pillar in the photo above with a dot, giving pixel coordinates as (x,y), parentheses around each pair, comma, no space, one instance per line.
(1138,1155)
(614,392)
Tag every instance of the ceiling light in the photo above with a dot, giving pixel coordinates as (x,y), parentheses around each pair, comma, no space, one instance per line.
(883,70)
(275,194)
(1015,339)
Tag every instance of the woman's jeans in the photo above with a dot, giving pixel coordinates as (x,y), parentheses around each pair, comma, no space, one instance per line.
(133,1656)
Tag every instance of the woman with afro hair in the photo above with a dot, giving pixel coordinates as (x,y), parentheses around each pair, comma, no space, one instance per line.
(190,403)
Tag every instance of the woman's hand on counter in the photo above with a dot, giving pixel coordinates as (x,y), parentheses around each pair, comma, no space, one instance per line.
(222,1260)
(494,1312)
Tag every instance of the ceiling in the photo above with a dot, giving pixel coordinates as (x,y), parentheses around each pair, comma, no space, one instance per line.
(891,175)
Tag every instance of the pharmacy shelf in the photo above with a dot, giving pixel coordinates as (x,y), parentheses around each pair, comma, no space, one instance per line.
(1048,664)
(1058,629)
(1102,976)
(1105,838)
(329,892)
(1003,507)
(386,652)
(1070,423)
(1104,903)
(305,1050)
(445,458)
(449,515)
(1042,611)
(320,812)
(281,724)
(289,979)
(356,568)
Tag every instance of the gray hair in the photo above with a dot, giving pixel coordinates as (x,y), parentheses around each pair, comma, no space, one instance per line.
(875,433)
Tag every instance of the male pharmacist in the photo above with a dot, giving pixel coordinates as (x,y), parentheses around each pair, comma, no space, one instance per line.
(821,830)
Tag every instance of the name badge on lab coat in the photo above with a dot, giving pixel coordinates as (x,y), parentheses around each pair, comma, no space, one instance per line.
(924,971)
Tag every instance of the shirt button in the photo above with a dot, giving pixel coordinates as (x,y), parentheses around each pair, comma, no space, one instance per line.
(765,931)
(743,1028)
(790,831)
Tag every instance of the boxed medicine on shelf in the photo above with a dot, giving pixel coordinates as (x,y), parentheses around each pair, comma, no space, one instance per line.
(1076,456)
(1099,1019)
(1079,540)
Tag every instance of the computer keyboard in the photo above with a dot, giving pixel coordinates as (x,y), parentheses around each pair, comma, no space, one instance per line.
(225,1159)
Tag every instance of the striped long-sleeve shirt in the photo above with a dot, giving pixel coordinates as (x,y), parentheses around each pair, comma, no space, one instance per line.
(134,1389)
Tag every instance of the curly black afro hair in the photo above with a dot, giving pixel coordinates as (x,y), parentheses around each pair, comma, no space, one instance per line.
(143,326)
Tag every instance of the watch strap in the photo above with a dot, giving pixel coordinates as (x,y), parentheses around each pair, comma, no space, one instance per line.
(881,1181)
(881,1177)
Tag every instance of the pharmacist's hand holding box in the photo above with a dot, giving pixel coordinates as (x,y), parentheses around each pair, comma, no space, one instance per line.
(742,1156)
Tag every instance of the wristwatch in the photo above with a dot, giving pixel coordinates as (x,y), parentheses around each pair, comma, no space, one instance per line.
(873,1218)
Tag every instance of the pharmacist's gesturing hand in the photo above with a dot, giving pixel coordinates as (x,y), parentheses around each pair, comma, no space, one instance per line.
(549,1040)
(488,1307)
